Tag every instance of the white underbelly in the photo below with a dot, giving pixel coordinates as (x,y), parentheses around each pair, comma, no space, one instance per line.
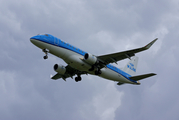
(112,75)
(75,60)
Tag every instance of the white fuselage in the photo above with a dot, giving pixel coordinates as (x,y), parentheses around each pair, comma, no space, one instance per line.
(75,60)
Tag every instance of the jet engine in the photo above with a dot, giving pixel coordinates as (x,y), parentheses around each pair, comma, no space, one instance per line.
(91,59)
(60,69)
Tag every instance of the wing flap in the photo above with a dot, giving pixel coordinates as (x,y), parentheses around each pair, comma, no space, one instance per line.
(140,77)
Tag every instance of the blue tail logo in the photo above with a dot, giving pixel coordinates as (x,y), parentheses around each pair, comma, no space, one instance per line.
(131,66)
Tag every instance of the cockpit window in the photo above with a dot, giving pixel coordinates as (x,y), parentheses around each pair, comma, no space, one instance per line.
(43,34)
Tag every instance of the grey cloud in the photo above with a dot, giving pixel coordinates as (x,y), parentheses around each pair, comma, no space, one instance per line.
(99,27)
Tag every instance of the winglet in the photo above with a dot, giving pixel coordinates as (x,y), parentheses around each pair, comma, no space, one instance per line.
(150,44)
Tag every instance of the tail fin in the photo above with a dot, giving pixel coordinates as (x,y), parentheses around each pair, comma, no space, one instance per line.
(131,67)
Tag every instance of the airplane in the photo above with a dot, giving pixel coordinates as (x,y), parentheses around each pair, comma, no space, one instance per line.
(80,62)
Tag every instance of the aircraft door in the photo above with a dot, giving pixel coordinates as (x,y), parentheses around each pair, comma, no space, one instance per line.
(56,41)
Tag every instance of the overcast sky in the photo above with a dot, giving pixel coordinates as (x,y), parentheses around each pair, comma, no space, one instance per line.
(98,27)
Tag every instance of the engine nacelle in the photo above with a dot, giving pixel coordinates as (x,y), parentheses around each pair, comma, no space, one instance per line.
(91,59)
(60,69)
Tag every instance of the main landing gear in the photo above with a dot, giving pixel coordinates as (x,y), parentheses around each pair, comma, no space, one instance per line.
(98,71)
(46,53)
(78,78)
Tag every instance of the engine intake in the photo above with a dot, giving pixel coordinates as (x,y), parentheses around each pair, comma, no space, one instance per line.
(89,58)
(60,69)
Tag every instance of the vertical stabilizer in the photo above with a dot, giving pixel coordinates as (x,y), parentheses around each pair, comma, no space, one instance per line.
(131,66)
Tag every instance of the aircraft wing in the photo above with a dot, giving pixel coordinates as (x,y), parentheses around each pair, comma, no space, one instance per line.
(70,72)
(111,58)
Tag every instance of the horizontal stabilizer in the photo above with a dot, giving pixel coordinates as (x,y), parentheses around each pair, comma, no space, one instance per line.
(140,77)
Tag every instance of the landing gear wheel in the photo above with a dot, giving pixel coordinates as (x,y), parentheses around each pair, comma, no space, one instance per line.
(77,78)
(46,53)
(45,57)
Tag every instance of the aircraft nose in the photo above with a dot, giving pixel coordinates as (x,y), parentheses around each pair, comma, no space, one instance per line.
(32,40)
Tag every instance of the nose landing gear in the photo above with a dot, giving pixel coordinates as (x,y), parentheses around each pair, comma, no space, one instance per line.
(46,51)
(45,57)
